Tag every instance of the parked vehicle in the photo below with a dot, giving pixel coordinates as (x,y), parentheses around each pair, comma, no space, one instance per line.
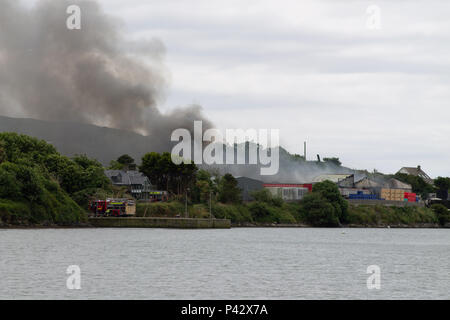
(112,207)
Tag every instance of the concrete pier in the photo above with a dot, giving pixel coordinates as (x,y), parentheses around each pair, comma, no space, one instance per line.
(156,222)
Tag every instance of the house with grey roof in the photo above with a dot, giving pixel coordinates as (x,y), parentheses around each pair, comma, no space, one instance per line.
(418,172)
(136,182)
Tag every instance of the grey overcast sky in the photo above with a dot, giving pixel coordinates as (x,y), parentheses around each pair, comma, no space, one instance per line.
(374,98)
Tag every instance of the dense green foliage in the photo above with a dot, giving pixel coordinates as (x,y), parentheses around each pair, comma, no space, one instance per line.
(442,213)
(36,182)
(205,188)
(166,175)
(419,185)
(318,211)
(238,213)
(382,215)
(160,209)
(228,190)
(443,185)
(125,159)
(124,162)
(266,196)
(325,206)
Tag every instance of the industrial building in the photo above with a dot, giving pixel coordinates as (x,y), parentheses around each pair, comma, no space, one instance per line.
(288,192)
(367,188)
(364,188)
(248,185)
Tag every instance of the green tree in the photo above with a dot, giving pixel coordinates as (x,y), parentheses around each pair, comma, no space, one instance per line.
(166,175)
(124,162)
(228,190)
(204,187)
(114,165)
(35,181)
(333,160)
(125,159)
(261,212)
(442,213)
(19,146)
(2,152)
(10,187)
(318,211)
(443,185)
(330,191)
(152,167)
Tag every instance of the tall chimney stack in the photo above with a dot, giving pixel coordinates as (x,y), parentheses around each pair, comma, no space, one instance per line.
(304,150)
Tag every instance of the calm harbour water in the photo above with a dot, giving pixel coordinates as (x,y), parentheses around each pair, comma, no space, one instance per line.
(241,263)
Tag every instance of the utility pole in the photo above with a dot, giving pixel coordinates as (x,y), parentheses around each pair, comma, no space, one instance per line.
(304,150)
(185,205)
(210,213)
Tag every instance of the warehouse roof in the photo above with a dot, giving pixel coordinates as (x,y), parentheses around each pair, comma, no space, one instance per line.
(367,183)
(332,177)
(397,184)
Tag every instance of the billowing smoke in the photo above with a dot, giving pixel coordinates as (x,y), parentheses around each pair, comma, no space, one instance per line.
(94,75)
(291,169)
(99,76)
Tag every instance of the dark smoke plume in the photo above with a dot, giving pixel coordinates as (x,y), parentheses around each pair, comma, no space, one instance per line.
(97,76)
(94,75)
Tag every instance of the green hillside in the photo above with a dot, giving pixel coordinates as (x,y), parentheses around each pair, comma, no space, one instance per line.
(38,185)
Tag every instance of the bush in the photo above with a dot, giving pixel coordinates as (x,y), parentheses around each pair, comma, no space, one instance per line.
(160,209)
(442,213)
(266,196)
(318,212)
(382,215)
(236,213)
(228,190)
(330,191)
(265,213)
(13,212)
(261,212)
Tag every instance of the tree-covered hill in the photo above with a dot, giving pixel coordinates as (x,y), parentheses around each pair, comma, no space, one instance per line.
(40,186)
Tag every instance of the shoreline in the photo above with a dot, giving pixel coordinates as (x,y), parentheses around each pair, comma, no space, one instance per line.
(233,225)
(355,226)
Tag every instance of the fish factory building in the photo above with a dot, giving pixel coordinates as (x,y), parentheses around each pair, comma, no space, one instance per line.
(350,188)
(288,192)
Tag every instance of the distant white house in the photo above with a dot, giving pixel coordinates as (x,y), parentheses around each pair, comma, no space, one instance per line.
(418,172)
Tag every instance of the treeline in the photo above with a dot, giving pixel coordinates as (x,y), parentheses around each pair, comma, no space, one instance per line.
(208,193)
(323,207)
(40,186)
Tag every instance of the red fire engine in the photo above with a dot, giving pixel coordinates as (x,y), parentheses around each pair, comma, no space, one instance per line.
(112,207)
